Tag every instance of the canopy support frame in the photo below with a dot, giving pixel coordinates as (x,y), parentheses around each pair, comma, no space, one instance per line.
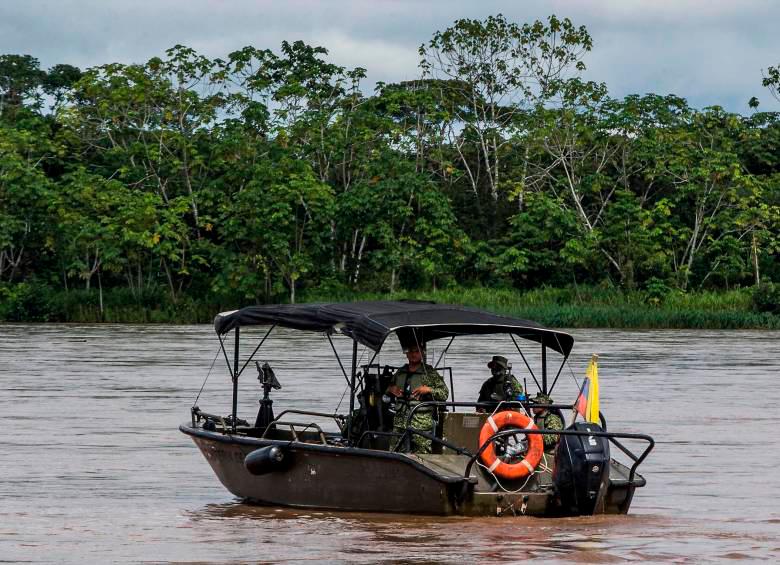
(558,374)
(235,382)
(520,351)
(224,352)
(336,353)
(259,345)
(352,390)
(443,353)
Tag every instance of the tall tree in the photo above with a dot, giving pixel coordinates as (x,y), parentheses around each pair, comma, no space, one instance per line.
(24,191)
(20,80)
(497,68)
(771,81)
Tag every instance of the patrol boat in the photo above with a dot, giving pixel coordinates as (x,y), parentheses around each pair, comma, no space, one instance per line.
(485,460)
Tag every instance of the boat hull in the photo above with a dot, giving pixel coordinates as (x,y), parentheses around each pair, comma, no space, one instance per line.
(353,479)
(332,478)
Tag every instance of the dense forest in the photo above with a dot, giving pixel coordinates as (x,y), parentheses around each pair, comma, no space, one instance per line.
(270,174)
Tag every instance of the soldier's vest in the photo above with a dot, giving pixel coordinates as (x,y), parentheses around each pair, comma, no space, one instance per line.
(407,382)
(497,388)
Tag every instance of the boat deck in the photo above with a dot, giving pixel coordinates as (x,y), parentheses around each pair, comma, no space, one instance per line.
(454,466)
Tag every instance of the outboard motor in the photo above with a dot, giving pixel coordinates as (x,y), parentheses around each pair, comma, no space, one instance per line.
(581,471)
(267,460)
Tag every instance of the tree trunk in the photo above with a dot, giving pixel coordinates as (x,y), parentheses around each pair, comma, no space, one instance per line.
(170,280)
(15,262)
(755,260)
(130,282)
(359,259)
(186,172)
(100,294)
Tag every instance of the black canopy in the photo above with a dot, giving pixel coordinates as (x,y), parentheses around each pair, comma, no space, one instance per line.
(371,322)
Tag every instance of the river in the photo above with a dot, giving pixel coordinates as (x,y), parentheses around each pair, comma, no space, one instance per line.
(94,469)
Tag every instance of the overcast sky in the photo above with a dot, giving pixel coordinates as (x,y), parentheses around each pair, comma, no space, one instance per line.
(709,51)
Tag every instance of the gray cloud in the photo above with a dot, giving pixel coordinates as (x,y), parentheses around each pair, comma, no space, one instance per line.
(709,51)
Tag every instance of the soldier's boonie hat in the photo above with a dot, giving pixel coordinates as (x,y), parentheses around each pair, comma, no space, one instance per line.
(414,347)
(541,398)
(498,361)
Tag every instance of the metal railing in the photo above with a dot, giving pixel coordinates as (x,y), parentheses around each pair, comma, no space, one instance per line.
(225,421)
(612,437)
(609,435)
(295,432)
(338,418)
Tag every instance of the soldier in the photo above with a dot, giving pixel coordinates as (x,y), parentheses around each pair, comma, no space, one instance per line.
(544,418)
(501,385)
(413,383)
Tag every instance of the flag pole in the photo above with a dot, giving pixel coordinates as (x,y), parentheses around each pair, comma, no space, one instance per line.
(588,393)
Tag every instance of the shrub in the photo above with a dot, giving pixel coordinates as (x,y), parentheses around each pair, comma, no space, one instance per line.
(657,291)
(27,302)
(766,298)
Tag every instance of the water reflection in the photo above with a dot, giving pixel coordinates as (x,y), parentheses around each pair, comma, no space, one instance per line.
(380,536)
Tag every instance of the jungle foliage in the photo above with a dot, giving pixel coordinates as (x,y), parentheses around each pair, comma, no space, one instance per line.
(270,173)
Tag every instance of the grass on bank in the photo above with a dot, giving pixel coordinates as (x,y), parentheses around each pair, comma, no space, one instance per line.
(570,307)
(593,307)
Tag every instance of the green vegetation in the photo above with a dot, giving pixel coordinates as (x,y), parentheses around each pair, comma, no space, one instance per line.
(171,189)
(588,307)
(557,307)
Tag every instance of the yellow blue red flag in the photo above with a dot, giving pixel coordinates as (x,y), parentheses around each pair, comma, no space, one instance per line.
(587,403)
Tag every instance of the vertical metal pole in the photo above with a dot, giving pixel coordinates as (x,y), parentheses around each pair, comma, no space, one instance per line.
(352,389)
(235,381)
(544,368)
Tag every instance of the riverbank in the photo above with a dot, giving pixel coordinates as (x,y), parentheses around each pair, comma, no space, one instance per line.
(571,307)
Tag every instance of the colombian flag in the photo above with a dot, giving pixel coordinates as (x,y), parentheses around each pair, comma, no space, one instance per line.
(587,403)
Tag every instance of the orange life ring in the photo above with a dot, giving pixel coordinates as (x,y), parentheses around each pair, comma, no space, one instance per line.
(522,468)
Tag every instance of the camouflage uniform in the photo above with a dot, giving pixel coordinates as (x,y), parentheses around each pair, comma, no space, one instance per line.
(423,418)
(495,385)
(493,389)
(549,421)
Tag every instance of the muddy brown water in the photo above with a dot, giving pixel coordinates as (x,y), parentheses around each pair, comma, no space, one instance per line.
(94,469)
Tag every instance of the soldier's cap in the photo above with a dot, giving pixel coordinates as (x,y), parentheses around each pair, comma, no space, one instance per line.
(414,347)
(498,361)
(541,398)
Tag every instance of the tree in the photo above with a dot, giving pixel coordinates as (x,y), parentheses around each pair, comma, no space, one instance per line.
(20,80)
(578,147)
(401,224)
(771,81)
(710,186)
(58,82)
(86,207)
(277,225)
(24,190)
(496,68)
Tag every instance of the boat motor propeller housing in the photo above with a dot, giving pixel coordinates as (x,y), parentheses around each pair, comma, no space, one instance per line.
(581,471)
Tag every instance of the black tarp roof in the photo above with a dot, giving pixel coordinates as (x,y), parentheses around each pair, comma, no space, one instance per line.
(371,322)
